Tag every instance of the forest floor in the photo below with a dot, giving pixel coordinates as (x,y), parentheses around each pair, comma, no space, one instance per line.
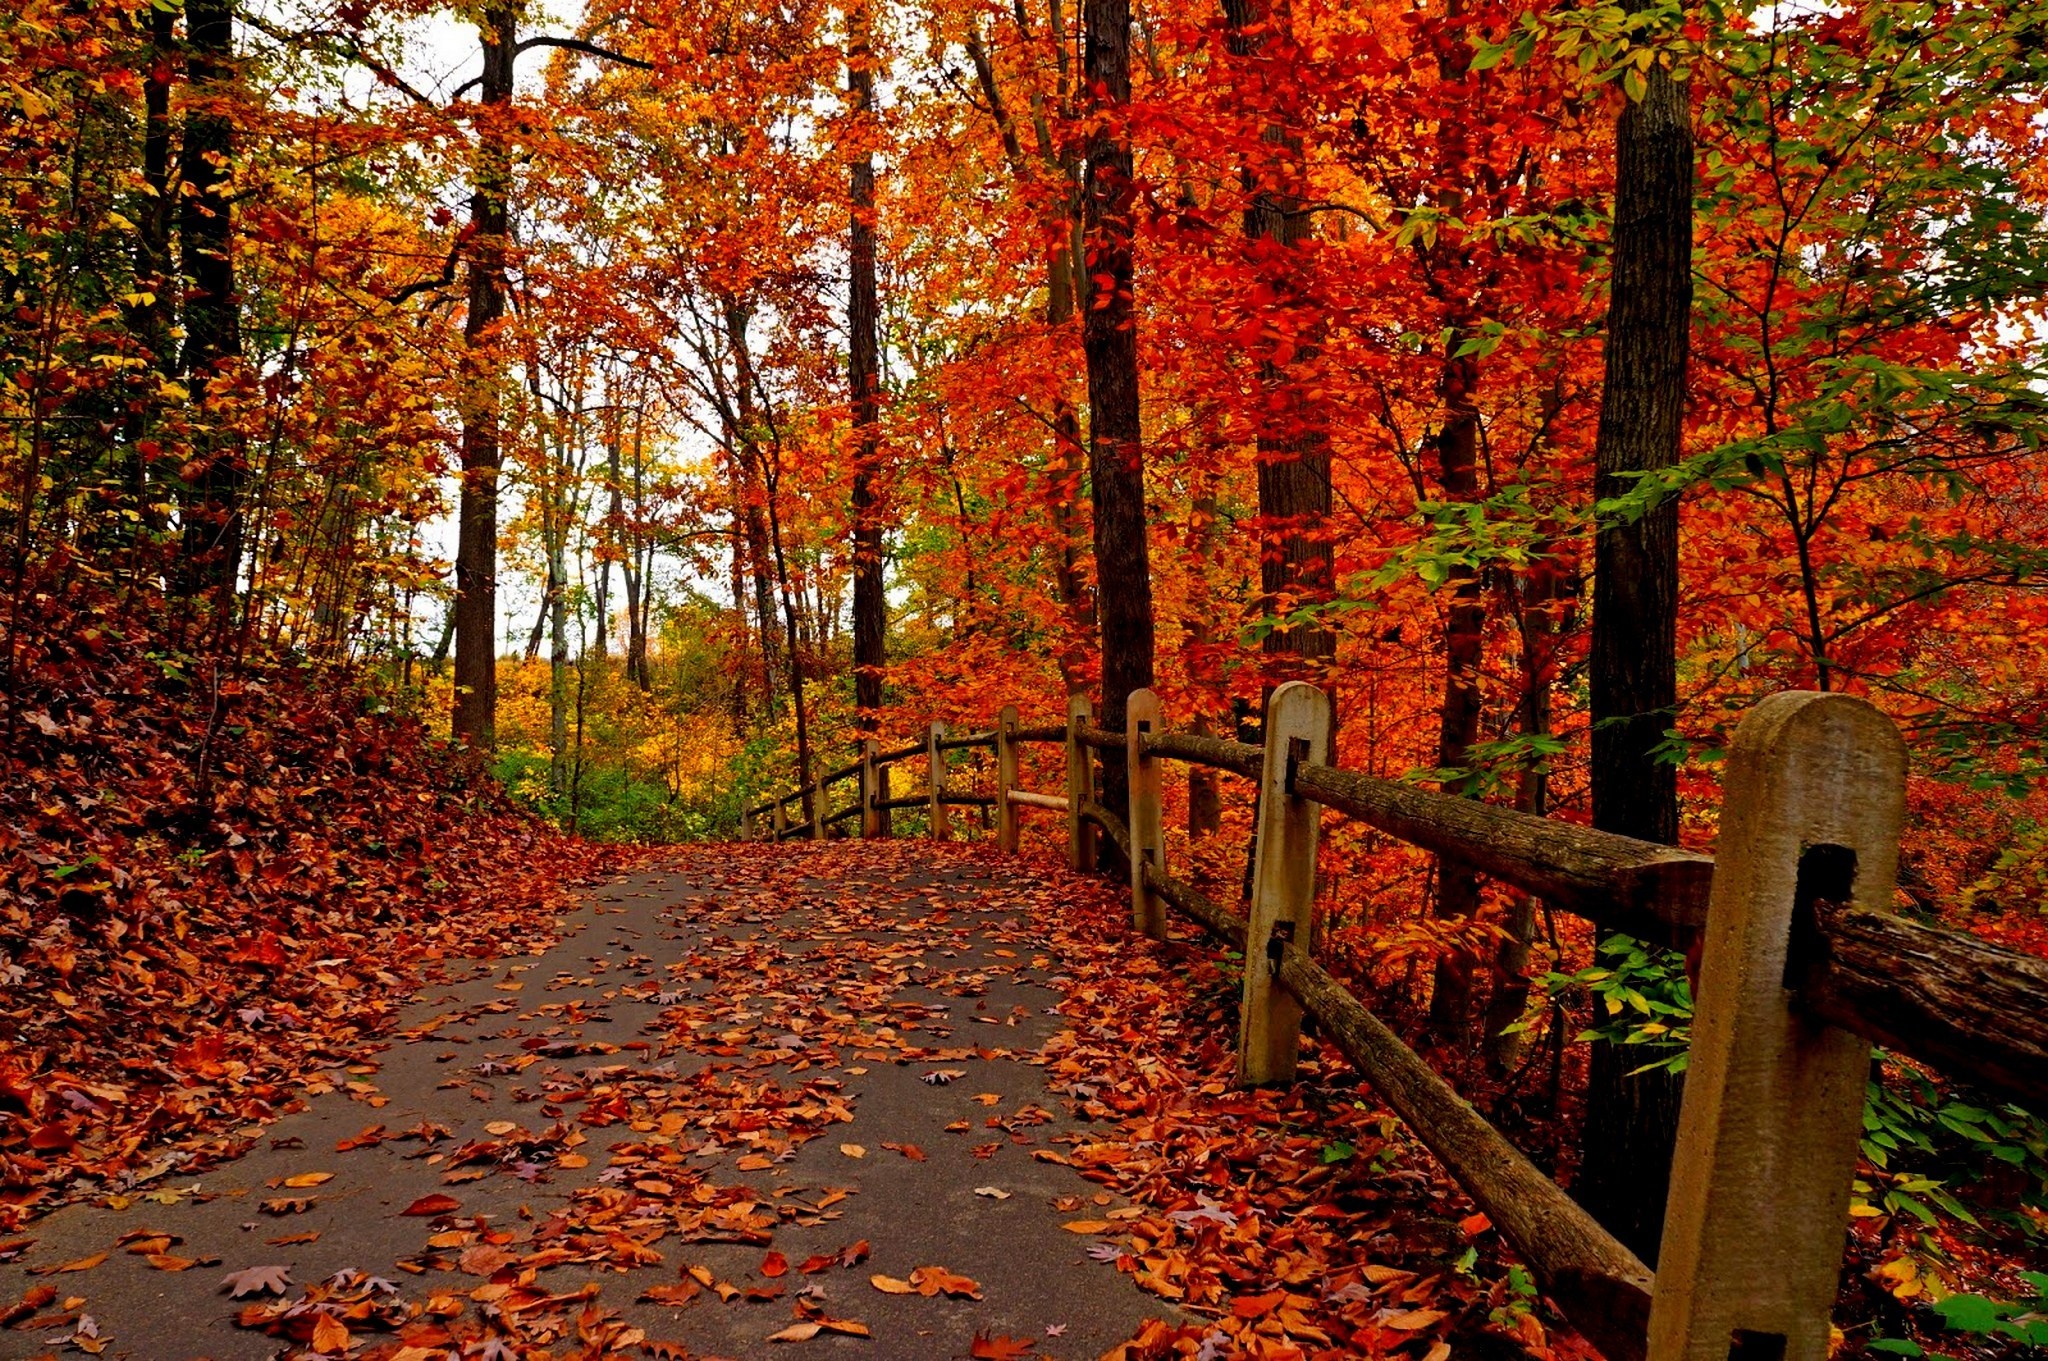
(890,1098)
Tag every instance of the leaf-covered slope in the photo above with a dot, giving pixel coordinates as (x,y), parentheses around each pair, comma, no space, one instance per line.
(217,877)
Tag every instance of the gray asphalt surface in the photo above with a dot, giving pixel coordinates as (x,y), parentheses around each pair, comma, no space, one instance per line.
(640,1047)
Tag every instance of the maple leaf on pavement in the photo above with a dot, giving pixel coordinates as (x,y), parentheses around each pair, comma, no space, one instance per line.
(998,1347)
(257,1280)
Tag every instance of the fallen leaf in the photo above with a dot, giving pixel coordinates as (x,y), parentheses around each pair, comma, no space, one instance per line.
(306,1179)
(992,1192)
(82,1264)
(853,1150)
(797,1332)
(257,1280)
(436,1204)
(35,1298)
(937,1280)
(680,1292)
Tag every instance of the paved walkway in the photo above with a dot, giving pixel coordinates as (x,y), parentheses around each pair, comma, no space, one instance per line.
(751,1095)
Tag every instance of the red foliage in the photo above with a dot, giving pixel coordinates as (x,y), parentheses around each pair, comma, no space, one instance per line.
(216,878)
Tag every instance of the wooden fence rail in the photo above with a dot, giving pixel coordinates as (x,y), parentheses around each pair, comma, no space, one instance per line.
(1802,966)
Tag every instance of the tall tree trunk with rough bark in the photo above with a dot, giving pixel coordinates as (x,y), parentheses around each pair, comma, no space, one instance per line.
(870,605)
(639,589)
(1294,449)
(1457,451)
(751,491)
(152,322)
(476,547)
(1457,890)
(1632,1122)
(1208,692)
(1109,338)
(212,513)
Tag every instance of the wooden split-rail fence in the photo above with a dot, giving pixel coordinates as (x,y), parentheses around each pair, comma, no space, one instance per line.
(1802,965)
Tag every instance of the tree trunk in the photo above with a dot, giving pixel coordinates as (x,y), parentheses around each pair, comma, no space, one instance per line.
(558,649)
(796,664)
(476,550)
(1542,588)
(1069,462)
(1294,449)
(540,620)
(1457,896)
(752,493)
(639,588)
(870,606)
(1207,691)
(152,322)
(1109,338)
(1631,1122)
(213,330)
(742,630)
(614,520)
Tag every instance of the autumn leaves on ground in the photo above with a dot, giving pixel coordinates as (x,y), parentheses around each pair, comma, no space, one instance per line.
(741,1098)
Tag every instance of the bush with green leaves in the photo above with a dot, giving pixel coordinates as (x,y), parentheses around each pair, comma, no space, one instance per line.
(1925,1142)
(2019,1326)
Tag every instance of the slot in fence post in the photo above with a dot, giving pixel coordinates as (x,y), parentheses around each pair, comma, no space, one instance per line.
(1147,824)
(1006,780)
(1773,1108)
(936,768)
(1080,786)
(870,790)
(781,823)
(1283,883)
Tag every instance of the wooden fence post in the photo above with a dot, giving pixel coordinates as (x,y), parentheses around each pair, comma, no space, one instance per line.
(1283,883)
(818,811)
(781,820)
(1147,824)
(1080,786)
(1006,780)
(1767,1135)
(870,816)
(936,773)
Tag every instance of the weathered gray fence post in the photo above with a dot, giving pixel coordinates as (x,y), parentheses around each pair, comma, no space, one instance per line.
(936,771)
(1283,882)
(818,810)
(1080,786)
(781,820)
(1006,780)
(870,790)
(1754,1230)
(1147,823)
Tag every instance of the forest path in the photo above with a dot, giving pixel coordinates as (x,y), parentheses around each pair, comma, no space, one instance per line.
(759,1073)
